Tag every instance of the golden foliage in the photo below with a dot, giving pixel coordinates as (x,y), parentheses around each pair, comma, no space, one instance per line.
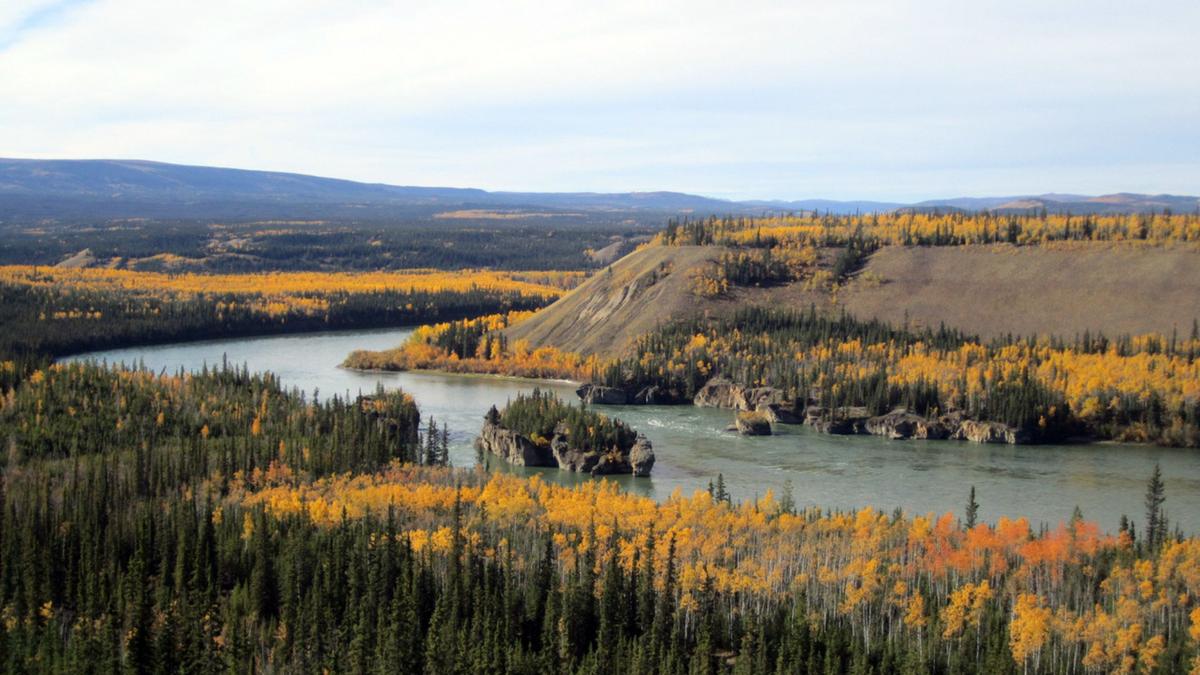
(907,228)
(868,566)
(279,293)
(493,356)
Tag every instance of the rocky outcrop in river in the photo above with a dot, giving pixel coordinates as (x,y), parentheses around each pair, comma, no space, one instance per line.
(767,406)
(752,424)
(641,456)
(638,459)
(771,407)
(512,447)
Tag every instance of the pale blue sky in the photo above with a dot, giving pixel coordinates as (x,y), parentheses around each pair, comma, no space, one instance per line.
(896,100)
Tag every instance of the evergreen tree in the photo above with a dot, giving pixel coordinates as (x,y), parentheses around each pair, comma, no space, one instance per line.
(972,510)
(719,492)
(264,590)
(1155,496)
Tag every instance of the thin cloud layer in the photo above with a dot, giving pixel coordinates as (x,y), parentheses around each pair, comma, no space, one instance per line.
(889,100)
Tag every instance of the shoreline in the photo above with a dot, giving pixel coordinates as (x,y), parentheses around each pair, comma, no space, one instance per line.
(430,371)
(691,454)
(232,335)
(1075,441)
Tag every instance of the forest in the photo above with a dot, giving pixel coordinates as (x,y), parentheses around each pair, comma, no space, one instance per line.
(825,251)
(477,345)
(50,311)
(214,522)
(217,522)
(1140,389)
(466,241)
(912,228)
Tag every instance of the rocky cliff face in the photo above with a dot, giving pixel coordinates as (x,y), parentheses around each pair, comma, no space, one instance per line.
(840,421)
(901,424)
(780,413)
(515,448)
(638,460)
(512,447)
(595,394)
(641,456)
(756,398)
(990,432)
(720,392)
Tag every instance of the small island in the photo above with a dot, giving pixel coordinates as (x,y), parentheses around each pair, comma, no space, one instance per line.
(541,430)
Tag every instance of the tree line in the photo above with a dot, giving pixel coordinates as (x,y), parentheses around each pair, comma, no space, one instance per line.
(1137,388)
(912,228)
(222,247)
(1133,388)
(47,312)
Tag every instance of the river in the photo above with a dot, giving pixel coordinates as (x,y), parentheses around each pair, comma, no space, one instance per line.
(1043,483)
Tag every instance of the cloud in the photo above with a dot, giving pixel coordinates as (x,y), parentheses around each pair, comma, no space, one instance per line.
(764,99)
(19,16)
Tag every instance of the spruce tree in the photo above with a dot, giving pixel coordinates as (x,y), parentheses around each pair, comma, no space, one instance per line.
(444,446)
(432,453)
(972,510)
(1155,496)
(722,495)
(264,591)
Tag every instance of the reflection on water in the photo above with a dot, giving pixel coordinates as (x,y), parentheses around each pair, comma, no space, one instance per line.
(1043,483)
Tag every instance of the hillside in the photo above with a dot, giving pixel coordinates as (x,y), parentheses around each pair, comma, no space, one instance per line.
(612,308)
(158,181)
(717,312)
(605,315)
(35,189)
(135,188)
(998,289)
(988,290)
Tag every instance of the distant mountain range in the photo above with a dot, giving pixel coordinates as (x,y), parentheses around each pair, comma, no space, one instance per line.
(1123,202)
(132,188)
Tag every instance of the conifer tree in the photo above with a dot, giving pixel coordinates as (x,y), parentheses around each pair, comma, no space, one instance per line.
(1155,496)
(972,510)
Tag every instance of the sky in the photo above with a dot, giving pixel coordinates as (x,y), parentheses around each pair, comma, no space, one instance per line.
(894,100)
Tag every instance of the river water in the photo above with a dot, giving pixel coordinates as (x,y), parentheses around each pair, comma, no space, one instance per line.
(1043,483)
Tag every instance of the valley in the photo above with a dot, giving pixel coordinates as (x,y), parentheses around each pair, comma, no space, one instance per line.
(798,308)
(755,338)
(692,447)
(246,454)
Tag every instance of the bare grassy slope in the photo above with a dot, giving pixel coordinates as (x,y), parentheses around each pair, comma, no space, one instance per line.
(993,290)
(606,313)
(988,290)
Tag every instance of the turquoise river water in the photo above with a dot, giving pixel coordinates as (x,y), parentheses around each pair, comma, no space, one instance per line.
(1043,483)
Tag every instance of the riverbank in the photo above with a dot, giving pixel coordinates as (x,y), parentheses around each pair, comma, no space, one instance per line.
(898,424)
(692,448)
(490,376)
